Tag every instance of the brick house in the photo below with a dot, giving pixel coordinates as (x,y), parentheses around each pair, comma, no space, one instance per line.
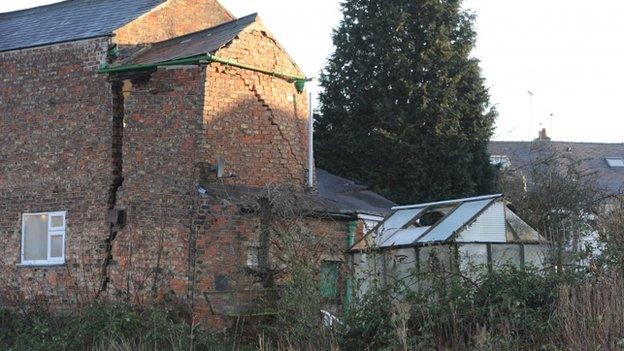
(136,138)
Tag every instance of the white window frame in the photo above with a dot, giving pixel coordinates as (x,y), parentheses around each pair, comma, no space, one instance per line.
(52,231)
(253,255)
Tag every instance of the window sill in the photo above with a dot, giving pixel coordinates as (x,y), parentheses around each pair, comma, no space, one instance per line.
(41,265)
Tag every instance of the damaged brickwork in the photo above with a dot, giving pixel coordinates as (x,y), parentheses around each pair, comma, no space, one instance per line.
(56,145)
(147,143)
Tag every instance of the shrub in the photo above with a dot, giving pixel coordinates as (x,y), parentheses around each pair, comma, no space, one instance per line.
(101,326)
(367,323)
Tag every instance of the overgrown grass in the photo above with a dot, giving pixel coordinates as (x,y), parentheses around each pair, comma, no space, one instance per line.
(102,327)
(509,309)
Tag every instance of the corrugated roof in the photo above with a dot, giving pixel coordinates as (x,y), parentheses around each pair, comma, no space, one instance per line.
(203,42)
(68,21)
(590,155)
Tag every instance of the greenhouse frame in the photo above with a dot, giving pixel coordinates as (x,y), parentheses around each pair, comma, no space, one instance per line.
(465,235)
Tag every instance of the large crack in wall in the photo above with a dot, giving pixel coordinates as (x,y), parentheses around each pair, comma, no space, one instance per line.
(117,178)
(252,88)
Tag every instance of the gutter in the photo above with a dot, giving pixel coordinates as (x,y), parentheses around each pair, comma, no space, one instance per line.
(299,81)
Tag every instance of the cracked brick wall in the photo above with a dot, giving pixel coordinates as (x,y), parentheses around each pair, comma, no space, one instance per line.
(56,123)
(177,124)
(256,122)
(61,141)
(161,137)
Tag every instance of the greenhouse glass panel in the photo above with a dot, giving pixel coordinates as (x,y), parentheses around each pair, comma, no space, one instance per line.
(535,255)
(401,218)
(506,254)
(404,236)
(401,268)
(473,256)
(434,256)
(445,229)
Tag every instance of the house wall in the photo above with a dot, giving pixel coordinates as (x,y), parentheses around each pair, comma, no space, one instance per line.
(172,19)
(69,134)
(162,129)
(55,155)
(57,141)
(255,122)
(224,284)
(177,123)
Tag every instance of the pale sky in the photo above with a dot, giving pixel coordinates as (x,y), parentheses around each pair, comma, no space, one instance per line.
(568,53)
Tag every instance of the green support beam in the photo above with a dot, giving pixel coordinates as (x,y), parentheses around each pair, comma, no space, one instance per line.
(299,81)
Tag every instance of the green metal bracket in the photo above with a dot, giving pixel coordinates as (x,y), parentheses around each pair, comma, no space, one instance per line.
(113,52)
(298,81)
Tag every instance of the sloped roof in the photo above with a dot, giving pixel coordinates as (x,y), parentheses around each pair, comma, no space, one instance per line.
(202,42)
(404,226)
(592,158)
(346,196)
(335,196)
(67,21)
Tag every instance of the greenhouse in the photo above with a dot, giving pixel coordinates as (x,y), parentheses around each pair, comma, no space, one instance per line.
(465,236)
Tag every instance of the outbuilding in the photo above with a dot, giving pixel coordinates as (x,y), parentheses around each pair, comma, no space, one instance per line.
(463,235)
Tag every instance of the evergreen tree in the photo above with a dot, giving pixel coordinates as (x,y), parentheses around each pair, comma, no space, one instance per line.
(404,108)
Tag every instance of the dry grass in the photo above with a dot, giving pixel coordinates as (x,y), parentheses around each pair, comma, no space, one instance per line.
(591,316)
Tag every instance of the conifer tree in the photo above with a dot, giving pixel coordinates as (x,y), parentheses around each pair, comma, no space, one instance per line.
(404,107)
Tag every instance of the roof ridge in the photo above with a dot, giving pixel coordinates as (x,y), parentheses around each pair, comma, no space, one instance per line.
(555,142)
(449,202)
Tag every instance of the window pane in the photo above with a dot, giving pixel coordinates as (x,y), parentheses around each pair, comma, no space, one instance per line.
(35,237)
(56,246)
(56,222)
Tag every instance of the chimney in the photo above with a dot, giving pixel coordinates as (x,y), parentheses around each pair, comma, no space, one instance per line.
(543,136)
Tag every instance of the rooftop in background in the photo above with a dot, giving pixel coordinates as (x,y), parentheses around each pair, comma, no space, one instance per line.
(482,219)
(67,21)
(602,159)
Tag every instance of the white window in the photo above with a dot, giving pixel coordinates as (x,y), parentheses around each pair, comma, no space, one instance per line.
(43,238)
(253,253)
(615,162)
(500,160)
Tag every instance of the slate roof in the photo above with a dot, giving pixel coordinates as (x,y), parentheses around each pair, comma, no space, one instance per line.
(68,21)
(344,195)
(590,155)
(335,196)
(202,42)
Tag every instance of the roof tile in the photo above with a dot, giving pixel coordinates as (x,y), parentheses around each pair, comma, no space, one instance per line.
(68,21)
